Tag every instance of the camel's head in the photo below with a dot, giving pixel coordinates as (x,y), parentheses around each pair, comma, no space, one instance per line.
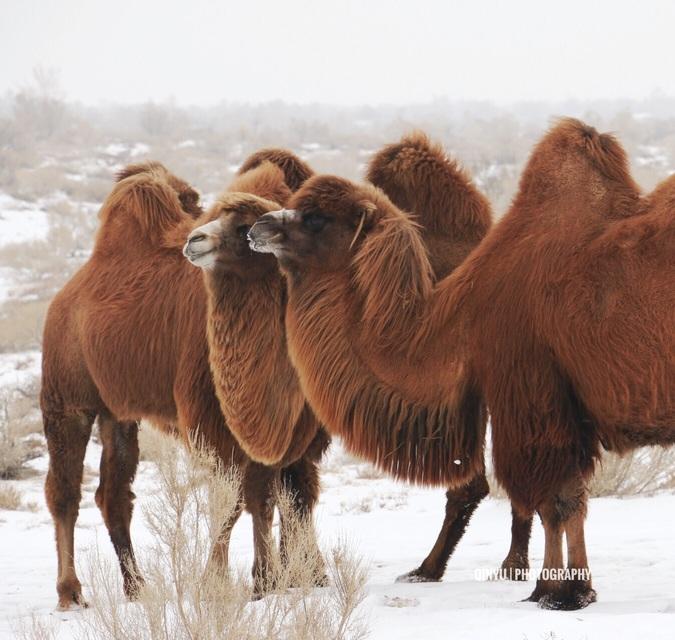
(324,223)
(219,239)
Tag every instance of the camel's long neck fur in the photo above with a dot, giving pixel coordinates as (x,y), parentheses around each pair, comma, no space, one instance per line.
(258,390)
(380,400)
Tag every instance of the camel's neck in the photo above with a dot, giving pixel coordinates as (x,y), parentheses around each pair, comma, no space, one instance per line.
(255,382)
(411,419)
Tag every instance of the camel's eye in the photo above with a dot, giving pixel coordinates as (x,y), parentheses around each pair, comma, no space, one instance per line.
(242,231)
(314,221)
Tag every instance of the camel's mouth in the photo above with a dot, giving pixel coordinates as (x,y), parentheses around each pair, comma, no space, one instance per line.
(265,245)
(201,246)
(203,260)
(267,234)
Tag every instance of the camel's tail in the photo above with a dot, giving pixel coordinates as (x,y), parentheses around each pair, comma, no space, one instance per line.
(296,171)
(420,178)
(583,170)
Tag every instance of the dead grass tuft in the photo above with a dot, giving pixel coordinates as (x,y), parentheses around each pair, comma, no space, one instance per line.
(187,596)
(10,498)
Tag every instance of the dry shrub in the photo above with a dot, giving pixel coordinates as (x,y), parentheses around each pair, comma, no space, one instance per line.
(21,324)
(10,497)
(14,453)
(17,420)
(153,442)
(644,471)
(187,596)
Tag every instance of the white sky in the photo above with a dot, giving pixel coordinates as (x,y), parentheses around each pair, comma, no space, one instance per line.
(343,51)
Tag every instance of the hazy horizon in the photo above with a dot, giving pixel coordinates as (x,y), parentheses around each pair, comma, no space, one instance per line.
(350,53)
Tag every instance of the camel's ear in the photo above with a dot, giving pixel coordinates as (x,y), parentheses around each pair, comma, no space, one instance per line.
(368,213)
(365,219)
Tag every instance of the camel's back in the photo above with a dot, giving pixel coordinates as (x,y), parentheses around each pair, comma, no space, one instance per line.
(130,325)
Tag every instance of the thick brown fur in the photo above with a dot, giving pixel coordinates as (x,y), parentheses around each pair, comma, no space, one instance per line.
(418,177)
(296,171)
(259,392)
(406,426)
(188,197)
(125,339)
(453,216)
(258,388)
(562,320)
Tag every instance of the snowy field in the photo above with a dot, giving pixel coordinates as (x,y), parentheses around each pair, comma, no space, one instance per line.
(392,526)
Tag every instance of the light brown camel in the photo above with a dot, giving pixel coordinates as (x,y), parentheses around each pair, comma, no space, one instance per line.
(125,339)
(562,320)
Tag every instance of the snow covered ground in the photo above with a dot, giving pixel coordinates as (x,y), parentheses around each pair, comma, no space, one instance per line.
(21,221)
(392,525)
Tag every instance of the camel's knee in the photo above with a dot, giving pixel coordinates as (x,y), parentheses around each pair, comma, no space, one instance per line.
(471,493)
(570,500)
(259,488)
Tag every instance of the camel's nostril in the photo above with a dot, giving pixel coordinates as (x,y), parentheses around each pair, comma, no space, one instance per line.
(197,238)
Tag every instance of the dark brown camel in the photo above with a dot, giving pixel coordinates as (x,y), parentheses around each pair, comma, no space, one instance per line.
(562,321)
(125,339)
(454,216)
(416,171)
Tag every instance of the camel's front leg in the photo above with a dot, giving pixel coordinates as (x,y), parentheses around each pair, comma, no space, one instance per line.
(516,564)
(459,507)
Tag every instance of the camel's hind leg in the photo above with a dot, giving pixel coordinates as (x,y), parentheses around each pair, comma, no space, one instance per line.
(67,437)
(558,588)
(459,507)
(114,497)
(301,482)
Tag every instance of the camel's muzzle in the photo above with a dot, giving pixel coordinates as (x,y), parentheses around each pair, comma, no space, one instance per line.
(268,233)
(201,245)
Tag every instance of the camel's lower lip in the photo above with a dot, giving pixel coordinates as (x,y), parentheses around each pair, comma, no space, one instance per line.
(194,258)
(265,245)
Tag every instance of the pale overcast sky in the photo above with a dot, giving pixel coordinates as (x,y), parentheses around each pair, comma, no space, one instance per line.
(346,52)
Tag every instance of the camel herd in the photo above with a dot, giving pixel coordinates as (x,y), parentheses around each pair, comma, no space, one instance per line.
(392,314)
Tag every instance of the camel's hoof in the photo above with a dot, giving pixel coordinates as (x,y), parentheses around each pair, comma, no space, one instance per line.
(418,575)
(568,600)
(70,596)
(74,602)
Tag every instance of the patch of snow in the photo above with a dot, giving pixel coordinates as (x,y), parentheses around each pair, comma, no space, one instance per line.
(629,540)
(629,543)
(15,283)
(19,370)
(21,221)
(651,155)
(116,149)
(139,149)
